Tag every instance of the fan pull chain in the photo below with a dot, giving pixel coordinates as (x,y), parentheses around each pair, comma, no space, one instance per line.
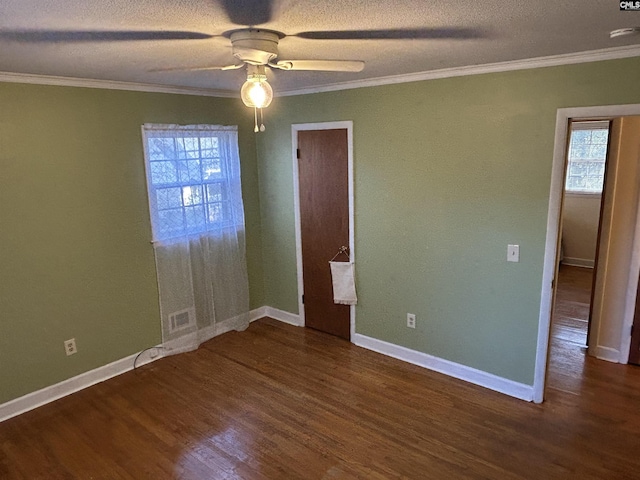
(255,118)
(262,120)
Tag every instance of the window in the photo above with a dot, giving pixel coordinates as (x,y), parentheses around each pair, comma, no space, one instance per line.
(587,156)
(193,179)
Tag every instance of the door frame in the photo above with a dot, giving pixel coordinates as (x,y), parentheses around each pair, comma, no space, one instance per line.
(295,128)
(550,264)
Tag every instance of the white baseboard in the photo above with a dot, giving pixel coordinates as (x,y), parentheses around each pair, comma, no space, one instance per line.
(282,316)
(606,353)
(446,367)
(100,374)
(257,314)
(49,394)
(578,262)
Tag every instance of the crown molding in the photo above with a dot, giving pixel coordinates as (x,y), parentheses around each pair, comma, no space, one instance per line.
(529,63)
(112,85)
(538,62)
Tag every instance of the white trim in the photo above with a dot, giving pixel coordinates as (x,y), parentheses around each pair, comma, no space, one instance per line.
(258,313)
(578,262)
(447,367)
(608,354)
(51,393)
(553,220)
(9,77)
(539,62)
(282,316)
(295,128)
(632,292)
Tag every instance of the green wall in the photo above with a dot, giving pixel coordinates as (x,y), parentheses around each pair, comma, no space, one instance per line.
(75,257)
(447,173)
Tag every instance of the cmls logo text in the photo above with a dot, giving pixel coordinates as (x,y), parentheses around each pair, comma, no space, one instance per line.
(630,6)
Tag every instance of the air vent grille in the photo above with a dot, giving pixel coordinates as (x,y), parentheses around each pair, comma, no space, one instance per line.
(181,320)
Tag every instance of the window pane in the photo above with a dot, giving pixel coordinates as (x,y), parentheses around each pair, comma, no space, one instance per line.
(161,149)
(578,169)
(596,169)
(208,143)
(598,151)
(211,168)
(189,171)
(192,195)
(214,192)
(168,198)
(170,221)
(599,136)
(163,172)
(581,137)
(194,217)
(593,183)
(579,151)
(215,213)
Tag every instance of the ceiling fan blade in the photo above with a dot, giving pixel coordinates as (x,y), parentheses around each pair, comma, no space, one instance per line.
(194,69)
(320,65)
(248,12)
(394,34)
(56,36)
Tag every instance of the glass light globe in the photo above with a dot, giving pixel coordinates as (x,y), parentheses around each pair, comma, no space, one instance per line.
(256,92)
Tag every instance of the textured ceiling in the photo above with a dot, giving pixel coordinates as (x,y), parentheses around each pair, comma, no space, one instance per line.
(488,31)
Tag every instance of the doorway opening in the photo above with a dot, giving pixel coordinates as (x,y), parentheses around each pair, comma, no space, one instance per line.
(616,278)
(324,220)
(581,214)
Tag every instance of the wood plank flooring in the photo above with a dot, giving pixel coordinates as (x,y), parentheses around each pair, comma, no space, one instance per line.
(280,402)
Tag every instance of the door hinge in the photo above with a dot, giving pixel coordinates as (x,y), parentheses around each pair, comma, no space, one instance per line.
(298,153)
(632,326)
(303,299)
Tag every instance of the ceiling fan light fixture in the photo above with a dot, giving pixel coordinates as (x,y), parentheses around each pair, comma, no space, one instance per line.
(256,91)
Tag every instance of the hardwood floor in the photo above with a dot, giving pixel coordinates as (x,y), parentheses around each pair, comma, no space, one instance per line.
(280,402)
(571,313)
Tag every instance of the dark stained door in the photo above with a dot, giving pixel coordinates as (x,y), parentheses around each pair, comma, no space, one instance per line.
(634,352)
(324,224)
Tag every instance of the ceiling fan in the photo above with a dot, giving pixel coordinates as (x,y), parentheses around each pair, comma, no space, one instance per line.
(255,47)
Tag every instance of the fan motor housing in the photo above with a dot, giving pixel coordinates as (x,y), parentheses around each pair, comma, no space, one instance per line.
(255,46)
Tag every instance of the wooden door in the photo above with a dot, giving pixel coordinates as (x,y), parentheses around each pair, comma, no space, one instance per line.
(634,352)
(324,224)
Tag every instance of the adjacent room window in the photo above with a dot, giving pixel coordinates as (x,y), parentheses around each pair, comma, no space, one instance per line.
(587,157)
(193,178)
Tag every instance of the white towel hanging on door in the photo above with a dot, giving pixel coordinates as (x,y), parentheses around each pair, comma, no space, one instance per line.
(343,280)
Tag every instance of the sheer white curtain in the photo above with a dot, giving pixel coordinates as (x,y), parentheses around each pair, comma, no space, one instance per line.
(197,218)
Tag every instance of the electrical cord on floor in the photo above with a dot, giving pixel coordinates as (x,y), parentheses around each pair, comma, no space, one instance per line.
(135,360)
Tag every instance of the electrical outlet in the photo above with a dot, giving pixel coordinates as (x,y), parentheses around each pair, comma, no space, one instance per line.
(411,320)
(70,346)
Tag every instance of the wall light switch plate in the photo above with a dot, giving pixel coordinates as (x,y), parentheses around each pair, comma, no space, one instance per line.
(513,253)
